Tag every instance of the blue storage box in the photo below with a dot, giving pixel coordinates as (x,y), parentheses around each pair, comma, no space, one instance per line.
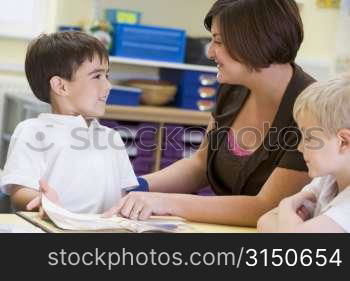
(122,16)
(149,42)
(124,96)
(196,89)
(186,77)
(190,82)
(195,103)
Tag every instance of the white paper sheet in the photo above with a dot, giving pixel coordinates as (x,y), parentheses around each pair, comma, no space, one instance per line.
(65,219)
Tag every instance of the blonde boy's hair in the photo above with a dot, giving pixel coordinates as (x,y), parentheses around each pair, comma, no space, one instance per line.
(328,102)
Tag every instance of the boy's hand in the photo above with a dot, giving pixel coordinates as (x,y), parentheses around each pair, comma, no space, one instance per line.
(295,210)
(302,203)
(49,193)
(306,211)
(141,205)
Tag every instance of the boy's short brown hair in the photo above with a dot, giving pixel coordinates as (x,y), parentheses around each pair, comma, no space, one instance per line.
(59,54)
(258,33)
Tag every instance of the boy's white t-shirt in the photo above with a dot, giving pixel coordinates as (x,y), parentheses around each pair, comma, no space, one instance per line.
(86,165)
(329,202)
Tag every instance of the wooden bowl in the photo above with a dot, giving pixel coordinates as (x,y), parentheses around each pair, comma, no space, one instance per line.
(154,92)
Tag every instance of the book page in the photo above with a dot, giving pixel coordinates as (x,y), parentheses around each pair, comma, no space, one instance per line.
(65,219)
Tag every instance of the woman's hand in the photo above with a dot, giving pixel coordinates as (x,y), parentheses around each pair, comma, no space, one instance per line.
(141,205)
(50,194)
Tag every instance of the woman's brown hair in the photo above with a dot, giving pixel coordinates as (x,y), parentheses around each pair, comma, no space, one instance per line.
(258,33)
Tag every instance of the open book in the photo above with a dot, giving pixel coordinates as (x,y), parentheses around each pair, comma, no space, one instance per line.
(67,220)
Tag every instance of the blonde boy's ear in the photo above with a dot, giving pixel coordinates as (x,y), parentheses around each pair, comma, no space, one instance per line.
(344,139)
(58,86)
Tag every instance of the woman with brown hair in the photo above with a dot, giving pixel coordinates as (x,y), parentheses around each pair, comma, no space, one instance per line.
(249,155)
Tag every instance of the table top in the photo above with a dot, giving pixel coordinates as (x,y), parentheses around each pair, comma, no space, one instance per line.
(13,223)
(22,225)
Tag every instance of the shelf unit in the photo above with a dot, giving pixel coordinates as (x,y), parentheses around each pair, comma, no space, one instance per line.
(158,114)
(162,64)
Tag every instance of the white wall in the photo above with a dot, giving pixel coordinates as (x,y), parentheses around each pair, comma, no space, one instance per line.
(316,52)
(187,14)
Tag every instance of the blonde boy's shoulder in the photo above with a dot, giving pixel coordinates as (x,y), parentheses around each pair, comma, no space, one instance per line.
(319,183)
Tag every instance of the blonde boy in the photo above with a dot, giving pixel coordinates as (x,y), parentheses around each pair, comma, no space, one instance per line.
(322,112)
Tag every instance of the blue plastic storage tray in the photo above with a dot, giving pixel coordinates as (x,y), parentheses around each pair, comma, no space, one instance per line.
(149,42)
(190,87)
(195,103)
(124,96)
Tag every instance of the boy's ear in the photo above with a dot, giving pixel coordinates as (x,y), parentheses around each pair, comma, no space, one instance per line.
(58,86)
(344,139)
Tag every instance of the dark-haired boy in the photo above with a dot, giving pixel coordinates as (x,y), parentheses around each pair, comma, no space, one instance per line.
(76,159)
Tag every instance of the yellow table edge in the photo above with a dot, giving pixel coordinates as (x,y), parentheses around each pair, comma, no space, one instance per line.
(47,226)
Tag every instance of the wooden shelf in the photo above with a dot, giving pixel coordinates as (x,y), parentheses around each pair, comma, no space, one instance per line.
(163,64)
(131,61)
(157,114)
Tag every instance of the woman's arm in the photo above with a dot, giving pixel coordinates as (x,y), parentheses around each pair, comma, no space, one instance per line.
(230,210)
(185,175)
(245,210)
